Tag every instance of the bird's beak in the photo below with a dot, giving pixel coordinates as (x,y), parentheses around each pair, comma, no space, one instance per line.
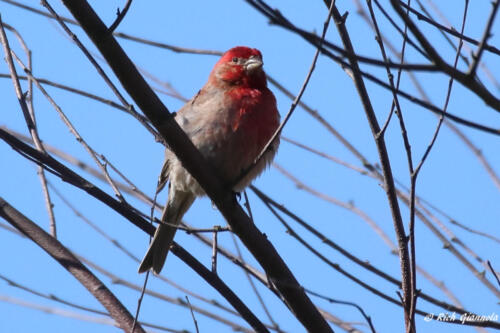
(253,63)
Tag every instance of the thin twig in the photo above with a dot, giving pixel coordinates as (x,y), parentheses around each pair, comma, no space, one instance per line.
(73,130)
(120,15)
(412,296)
(443,33)
(414,173)
(495,274)
(473,231)
(98,68)
(161,296)
(129,254)
(403,33)
(214,251)
(90,223)
(345,205)
(336,301)
(29,117)
(29,98)
(450,31)
(254,287)
(447,99)
(52,297)
(58,299)
(459,76)
(58,311)
(483,66)
(78,316)
(139,301)
(476,57)
(192,315)
(447,245)
(327,156)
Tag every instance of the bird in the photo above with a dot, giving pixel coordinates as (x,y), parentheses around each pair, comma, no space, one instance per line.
(230,120)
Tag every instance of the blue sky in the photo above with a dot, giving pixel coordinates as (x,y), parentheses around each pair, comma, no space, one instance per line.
(452,178)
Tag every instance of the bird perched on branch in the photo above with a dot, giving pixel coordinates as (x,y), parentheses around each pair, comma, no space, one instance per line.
(230,121)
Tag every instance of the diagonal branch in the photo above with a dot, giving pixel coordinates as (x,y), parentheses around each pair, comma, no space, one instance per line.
(463,78)
(120,15)
(450,30)
(476,57)
(389,186)
(56,250)
(193,161)
(29,116)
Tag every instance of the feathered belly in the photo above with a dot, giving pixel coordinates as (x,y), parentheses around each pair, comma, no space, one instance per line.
(230,140)
(230,156)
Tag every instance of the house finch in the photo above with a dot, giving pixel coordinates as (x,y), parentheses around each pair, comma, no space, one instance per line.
(230,120)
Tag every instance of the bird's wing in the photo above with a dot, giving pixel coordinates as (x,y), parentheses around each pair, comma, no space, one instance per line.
(193,118)
(186,117)
(164,174)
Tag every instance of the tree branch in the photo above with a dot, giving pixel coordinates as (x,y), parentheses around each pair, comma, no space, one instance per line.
(57,251)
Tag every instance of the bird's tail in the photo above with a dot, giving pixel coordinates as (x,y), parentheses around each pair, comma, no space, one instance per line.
(177,205)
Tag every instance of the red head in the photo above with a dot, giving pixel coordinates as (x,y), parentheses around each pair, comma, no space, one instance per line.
(240,66)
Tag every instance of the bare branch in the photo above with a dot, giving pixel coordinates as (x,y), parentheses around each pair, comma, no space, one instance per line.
(476,57)
(192,315)
(29,117)
(463,78)
(57,251)
(120,15)
(495,274)
(451,31)
(359,308)
(56,311)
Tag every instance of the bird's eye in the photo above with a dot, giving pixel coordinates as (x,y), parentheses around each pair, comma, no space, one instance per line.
(235,59)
